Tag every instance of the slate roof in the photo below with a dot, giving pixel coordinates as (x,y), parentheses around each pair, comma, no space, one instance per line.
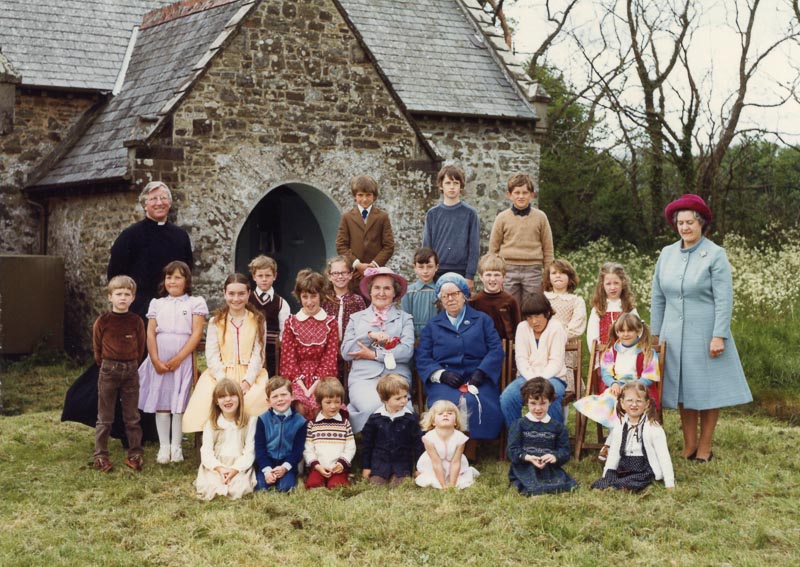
(75,44)
(163,60)
(424,47)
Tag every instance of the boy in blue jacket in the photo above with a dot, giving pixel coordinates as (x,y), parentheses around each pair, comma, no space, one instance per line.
(280,439)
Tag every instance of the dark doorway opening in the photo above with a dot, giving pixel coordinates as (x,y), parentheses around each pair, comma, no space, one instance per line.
(296,225)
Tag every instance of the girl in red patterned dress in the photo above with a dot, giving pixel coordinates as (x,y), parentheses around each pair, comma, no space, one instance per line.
(310,342)
(612,297)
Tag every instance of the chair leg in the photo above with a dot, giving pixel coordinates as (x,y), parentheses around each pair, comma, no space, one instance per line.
(580,433)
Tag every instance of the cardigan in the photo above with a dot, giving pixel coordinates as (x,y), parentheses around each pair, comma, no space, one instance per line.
(655,446)
(545,358)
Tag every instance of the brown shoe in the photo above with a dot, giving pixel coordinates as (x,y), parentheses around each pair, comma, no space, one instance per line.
(103,465)
(603,454)
(134,462)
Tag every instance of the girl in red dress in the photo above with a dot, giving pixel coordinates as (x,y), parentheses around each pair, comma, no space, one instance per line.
(310,342)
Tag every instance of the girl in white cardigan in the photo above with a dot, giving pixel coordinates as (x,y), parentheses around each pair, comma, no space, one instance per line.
(638,452)
(228,451)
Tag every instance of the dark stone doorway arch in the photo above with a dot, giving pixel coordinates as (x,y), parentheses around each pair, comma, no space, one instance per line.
(294,223)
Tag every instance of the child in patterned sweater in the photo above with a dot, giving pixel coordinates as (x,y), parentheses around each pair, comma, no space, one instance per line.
(330,445)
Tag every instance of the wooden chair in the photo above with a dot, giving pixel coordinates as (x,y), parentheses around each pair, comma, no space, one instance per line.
(593,387)
(510,374)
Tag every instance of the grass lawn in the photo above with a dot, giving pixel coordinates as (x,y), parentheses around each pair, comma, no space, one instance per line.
(741,509)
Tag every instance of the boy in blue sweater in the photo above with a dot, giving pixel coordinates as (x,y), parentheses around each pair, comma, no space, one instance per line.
(280,439)
(452,228)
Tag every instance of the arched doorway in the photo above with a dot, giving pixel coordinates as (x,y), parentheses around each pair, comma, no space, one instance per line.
(296,225)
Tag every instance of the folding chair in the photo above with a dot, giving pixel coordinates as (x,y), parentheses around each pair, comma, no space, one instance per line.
(595,385)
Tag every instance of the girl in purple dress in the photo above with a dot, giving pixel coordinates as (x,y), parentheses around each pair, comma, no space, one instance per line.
(174,329)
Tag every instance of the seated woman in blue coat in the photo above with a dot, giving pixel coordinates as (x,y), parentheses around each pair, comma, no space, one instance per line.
(459,357)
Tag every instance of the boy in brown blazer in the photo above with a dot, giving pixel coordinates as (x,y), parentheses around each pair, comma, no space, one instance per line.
(365,235)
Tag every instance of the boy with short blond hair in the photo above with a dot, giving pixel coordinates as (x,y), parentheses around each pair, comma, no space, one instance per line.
(119,341)
(275,309)
(452,228)
(496,303)
(365,234)
(391,438)
(521,235)
(420,299)
(330,444)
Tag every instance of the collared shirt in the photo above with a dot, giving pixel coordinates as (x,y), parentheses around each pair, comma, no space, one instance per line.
(384,412)
(319,315)
(521,212)
(545,419)
(270,293)
(337,417)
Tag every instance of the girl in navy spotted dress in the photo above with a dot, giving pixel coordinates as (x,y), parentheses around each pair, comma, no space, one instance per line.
(538,446)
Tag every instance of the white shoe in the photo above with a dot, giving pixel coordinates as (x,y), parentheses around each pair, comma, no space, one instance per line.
(177,455)
(163,455)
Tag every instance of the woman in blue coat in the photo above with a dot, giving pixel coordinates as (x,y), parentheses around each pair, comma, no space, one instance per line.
(459,357)
(691,310)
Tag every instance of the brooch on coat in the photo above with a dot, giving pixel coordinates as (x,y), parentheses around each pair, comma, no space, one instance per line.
(703,254)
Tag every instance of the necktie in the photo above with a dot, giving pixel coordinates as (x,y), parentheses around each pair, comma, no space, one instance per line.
(264,297)
(364,215)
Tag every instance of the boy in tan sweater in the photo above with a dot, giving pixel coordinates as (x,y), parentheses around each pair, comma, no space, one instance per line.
(522,237)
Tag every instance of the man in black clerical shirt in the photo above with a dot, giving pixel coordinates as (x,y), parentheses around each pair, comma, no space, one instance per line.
(143,249)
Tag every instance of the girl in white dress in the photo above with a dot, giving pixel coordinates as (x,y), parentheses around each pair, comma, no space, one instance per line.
(228,451)
(443,463)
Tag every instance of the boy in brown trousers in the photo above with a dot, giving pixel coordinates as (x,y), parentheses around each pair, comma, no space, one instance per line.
(119,343)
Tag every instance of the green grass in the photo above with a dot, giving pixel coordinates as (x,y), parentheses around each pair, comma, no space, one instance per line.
(741,509)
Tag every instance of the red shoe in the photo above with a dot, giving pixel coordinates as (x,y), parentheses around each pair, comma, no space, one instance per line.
(103,465)
(134,462)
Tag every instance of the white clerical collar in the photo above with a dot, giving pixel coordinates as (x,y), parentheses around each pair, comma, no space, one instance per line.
(545,419)
(319,315)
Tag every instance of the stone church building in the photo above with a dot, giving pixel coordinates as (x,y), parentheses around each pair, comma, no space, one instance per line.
(256,113)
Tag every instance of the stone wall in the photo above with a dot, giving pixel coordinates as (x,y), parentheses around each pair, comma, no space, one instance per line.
(489,151)
(291,98)
(41,120)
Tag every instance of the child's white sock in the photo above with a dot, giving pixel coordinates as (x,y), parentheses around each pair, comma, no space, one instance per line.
(177,437)
(162,426)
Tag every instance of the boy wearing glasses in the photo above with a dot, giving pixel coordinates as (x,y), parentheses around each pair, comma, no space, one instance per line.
(275,309)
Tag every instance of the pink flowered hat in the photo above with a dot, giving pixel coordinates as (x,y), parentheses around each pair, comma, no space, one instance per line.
(371,273)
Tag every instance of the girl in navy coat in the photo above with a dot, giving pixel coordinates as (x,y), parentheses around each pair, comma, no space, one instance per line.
(459,358)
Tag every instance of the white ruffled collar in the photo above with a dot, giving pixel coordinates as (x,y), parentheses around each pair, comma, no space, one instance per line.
(319,315)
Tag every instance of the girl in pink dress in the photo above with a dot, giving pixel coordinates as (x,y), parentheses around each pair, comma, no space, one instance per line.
(310,342)
(174,329)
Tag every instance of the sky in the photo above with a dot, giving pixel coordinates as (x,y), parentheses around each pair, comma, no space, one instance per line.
(714,52)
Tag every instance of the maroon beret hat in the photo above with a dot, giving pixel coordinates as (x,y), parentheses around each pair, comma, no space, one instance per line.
(688,202)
